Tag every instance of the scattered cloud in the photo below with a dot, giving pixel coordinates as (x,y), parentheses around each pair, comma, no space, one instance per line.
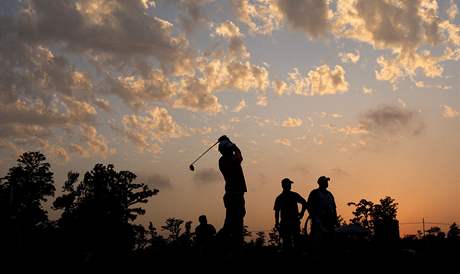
(309,16)
(368,91)
(292,122)
(260,16)
(241,105)
(391,119)
(262,101)
(449,112)
(283,141)
(156,181)
(206,176)
(349,57)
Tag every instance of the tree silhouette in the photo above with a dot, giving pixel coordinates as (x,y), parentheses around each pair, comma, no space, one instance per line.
(260,239)
(98,211)
(24,221)
(362,213)
(274,238)
(379,219)
(454,232)
(24,189)
(172,225)
(435,232)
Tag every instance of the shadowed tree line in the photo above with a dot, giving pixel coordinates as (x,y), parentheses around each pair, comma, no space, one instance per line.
(99,210)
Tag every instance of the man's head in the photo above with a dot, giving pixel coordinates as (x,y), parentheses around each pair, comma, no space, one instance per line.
(286,184)
(225,146)
(323,182)
(203,220)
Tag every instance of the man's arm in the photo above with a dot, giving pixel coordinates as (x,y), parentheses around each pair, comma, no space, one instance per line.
(238,155)
(301,201)
(277,218)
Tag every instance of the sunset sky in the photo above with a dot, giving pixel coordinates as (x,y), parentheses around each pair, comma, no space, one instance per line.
(363,91)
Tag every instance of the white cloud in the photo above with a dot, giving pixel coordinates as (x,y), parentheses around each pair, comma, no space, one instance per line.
(241,105)
(449,112)
(147,131)
(261,16)
(368,91)
(283,141)
(292,122)
(452,11)
(349,57)
(262,100)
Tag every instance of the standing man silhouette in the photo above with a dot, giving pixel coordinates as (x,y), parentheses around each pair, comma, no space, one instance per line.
(322,210)
(235,187)
(286,204)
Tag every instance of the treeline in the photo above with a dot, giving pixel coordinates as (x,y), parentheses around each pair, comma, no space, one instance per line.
(98,213)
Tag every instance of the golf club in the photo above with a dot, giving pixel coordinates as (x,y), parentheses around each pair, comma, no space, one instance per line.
(191,167)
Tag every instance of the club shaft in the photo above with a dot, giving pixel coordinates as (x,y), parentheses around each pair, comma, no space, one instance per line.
(204,152)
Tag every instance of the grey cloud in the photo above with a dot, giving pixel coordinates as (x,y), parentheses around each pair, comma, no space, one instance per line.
(206,176)
(156,180)
(391,119)
(309,16)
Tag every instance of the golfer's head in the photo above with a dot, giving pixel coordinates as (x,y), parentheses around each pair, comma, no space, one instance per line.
(286,184)
(226,147)
(203,220)
(323,182)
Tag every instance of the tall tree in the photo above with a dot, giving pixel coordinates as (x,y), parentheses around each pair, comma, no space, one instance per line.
(24,189)
(99,211)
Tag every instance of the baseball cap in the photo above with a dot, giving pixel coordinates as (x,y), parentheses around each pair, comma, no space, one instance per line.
(323,178)
(286,181)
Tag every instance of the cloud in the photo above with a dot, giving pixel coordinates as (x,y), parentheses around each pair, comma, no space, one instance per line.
(283,141)
(292,122)
(339,172)
(156,181)
(309,16)
(368,91)
(349,57)
(449,112)
(206,176)
(332,115)
(231,32)
(120,30)
(261,16)
(192,14)
(323,80)
(262,100)
(404,27)
(96,142)
(156,126)
(320,81)
(391,119)
(138,90)
(452,11)
(241,105)
(280,87)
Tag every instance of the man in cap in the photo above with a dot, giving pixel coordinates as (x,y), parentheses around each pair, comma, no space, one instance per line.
(286,204)
(235,187)
(322,210)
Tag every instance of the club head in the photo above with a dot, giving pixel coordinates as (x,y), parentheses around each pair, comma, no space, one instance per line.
(192,168)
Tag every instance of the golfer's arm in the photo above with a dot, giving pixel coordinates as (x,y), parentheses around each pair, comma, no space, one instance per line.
(277,217)
(238,155)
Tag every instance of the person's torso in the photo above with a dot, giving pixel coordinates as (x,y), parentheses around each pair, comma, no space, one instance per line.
(233,174)
(287,204)
(323,203)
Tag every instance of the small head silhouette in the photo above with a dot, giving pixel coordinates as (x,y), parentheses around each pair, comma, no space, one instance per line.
(226,147)
(286,183)
(323,182)
(203,220)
